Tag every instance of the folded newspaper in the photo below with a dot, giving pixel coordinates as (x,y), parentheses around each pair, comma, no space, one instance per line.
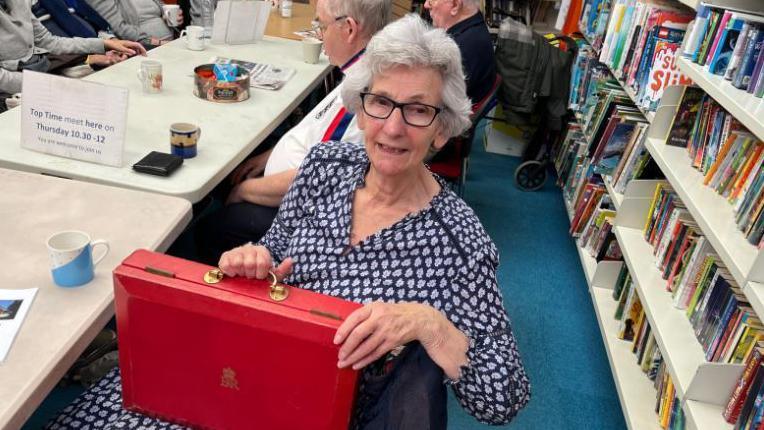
(265,76)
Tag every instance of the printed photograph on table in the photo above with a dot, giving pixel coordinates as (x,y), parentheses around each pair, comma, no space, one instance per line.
(9,309)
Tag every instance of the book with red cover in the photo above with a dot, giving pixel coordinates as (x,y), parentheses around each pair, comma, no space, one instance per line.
(227,355)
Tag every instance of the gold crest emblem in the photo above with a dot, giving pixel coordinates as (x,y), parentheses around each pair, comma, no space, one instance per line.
(228,379)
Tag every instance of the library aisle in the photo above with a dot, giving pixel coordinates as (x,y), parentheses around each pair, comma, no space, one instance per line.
(548,300)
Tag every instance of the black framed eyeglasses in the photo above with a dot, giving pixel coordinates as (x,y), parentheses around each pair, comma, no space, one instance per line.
(320,28)
(414,114)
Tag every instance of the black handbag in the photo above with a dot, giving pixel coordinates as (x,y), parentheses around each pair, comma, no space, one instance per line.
(402,392)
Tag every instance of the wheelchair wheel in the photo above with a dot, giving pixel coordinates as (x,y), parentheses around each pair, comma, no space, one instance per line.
(530,175)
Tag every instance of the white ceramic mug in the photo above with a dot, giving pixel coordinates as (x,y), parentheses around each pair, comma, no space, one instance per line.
(171,13)
(194,37)
(13,101)
(71,257)
(150,75)
(311,49)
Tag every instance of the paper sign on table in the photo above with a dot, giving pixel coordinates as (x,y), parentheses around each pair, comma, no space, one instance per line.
(239,22)
(73,118)
(14,305)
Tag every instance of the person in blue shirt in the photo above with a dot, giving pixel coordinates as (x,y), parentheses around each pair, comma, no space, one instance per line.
(463,21)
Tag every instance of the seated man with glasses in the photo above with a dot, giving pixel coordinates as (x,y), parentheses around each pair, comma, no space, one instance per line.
(464,22)
(345,26)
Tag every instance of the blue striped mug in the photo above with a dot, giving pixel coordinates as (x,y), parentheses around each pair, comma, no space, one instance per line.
(71,257)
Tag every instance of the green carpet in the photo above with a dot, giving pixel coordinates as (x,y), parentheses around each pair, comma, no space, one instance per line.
(548,302)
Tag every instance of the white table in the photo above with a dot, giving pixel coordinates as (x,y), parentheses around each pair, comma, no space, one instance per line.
(229,131)
(62,321)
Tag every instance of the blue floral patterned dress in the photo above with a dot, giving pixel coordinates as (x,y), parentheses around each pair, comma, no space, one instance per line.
(440,256)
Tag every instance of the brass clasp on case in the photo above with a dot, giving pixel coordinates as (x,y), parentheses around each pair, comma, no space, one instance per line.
(278,291)
(213,276)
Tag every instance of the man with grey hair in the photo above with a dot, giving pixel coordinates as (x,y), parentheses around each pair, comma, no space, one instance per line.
(345,26)
(464,22)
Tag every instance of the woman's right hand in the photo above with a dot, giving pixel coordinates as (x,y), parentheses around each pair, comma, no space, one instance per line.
(253,261)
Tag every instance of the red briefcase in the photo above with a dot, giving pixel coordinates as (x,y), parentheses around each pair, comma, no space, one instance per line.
(208,352)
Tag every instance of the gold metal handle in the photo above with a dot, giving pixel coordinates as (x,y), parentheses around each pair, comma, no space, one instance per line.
(278,292)
(213,276)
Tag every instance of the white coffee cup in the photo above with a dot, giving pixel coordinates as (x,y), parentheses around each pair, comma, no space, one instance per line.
(194,37)
(13,101)
(171,13)
(71,257)
(311,49)
(150,75)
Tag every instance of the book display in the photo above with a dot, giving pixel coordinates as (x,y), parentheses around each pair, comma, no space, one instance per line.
(680,191)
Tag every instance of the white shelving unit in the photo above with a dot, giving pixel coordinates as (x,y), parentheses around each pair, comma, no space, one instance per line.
(690,3)
(617,198)
(749,110)
(673,332)
(629,91)
(701,415)
(709,209)
(635,391)
(754,292)
(693,376)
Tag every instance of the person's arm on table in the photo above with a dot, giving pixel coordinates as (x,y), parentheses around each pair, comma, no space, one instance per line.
(77,45)
(105,60)
(250,168)
(10,82)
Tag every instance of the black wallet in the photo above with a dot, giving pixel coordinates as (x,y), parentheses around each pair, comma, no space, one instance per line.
(158,163)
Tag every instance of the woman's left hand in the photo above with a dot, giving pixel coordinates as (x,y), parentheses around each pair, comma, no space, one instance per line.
(124,46)
(377,328)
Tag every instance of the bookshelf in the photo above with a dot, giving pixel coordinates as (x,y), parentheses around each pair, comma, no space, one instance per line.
(672,329)
(690,3)
(635,391)
(629,91)
(749,110)
(617,198)
(693,376)
(702,387)
(754,292)
(701,415)
(710,210)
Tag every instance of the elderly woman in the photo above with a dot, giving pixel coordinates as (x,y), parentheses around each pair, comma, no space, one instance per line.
(371,224)
(138,20)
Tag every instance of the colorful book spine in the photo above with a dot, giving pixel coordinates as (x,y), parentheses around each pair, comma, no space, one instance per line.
(720,32)
(695,35)
(735,403)
(758,72)
(737,53)
(752,50)
(726,47)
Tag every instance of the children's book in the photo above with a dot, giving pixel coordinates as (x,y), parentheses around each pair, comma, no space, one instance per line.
(684,119)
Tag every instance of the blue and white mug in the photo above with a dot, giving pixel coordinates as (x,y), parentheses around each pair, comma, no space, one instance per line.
(71,257)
